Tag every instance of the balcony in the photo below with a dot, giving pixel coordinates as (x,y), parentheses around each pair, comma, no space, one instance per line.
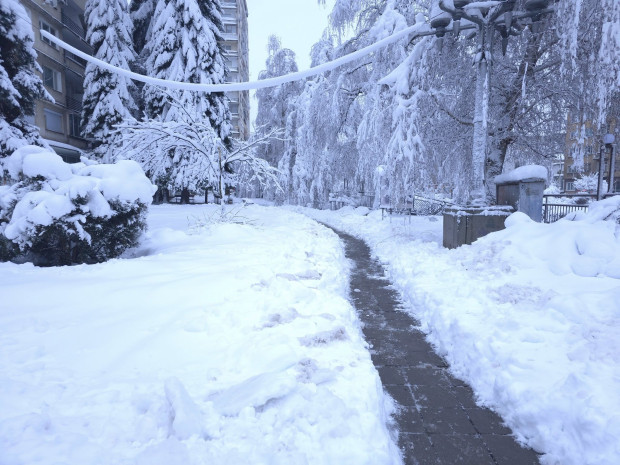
(74,104)
(73,26)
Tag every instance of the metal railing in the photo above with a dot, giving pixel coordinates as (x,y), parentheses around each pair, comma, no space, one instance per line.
(428,207)
(416,206)
(554,210)
(72,26)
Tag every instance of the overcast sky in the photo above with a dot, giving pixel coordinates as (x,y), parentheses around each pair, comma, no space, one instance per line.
(298,23)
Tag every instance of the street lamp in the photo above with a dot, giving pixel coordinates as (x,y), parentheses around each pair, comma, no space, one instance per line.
(607,145)
(487,19)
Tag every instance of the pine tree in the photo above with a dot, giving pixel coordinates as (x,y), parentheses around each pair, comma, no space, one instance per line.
(141,13)
(107,100)
(182,45)
(19,85)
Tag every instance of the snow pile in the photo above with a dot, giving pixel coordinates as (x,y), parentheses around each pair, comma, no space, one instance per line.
(522,173)
(528,316)
(232,345)
(51,198)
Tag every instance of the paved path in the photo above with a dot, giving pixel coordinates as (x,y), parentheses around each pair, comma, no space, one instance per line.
(439,422)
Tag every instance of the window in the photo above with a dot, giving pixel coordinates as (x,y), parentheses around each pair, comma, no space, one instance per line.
(231,13)
(52,79)
(569,186)
(74,125)
(53,121)
(46,27)
(230,28)
(233,62)
(233,77)
(234,108)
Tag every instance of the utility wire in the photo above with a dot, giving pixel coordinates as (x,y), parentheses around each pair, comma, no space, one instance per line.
(418,29)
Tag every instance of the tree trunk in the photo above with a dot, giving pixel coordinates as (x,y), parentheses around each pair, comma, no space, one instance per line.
(511,110)
(185,195)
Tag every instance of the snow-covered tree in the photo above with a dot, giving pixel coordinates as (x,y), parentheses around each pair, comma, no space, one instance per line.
(275,103)
(182,45)
(187,154)
(141,13)
(589,32)
(589,183)
(19,84)
(107,99)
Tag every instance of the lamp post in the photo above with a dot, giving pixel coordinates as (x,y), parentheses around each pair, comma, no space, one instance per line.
(487,18)
(609,140)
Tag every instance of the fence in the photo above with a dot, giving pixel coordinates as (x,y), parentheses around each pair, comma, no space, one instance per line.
(553,211)
(418,206)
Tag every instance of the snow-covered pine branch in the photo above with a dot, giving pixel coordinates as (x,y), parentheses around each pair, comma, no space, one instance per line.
(107,98)
(20,86)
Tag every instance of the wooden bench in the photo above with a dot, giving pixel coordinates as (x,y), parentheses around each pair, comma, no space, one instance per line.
(177,198)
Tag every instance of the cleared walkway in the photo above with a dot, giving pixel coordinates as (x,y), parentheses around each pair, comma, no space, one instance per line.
(438,420)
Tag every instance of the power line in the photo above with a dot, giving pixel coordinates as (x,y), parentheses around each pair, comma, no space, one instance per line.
(418,29)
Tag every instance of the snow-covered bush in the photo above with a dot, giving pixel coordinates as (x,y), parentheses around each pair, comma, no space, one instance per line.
(61,214)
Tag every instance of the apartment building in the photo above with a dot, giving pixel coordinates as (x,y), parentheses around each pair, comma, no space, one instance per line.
(585,128)
(62,73)
(236,47)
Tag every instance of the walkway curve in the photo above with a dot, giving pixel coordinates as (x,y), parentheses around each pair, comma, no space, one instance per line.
(439,423)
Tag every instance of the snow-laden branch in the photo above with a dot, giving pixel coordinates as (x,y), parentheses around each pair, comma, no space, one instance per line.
(418,29)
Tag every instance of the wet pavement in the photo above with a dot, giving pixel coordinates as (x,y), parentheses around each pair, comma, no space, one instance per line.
(438,420)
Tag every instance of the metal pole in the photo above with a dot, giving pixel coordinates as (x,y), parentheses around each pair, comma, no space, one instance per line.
(612,169)
(601,165)
(480,117)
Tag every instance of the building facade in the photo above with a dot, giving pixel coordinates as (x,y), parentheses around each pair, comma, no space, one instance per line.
(62,73)
(576,129)
(236,48)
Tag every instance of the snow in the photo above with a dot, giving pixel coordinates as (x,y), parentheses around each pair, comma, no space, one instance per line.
(528,316)
(522,173)
(212,343)
(62,186)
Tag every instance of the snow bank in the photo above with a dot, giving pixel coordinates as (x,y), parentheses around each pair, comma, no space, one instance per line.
(528,316)
(224,344)
(522,173)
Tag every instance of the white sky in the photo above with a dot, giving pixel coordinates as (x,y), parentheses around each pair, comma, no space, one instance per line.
(298,23)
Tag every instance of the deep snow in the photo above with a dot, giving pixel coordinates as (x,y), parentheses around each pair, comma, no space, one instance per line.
(234,343)
(216,344)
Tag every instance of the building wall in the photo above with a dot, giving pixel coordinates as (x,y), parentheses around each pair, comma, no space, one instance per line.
(235,44)
(592,148)
(63,73)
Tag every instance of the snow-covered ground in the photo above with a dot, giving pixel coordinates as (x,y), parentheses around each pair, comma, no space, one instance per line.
(529,316)
(214,344)
(234,343)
